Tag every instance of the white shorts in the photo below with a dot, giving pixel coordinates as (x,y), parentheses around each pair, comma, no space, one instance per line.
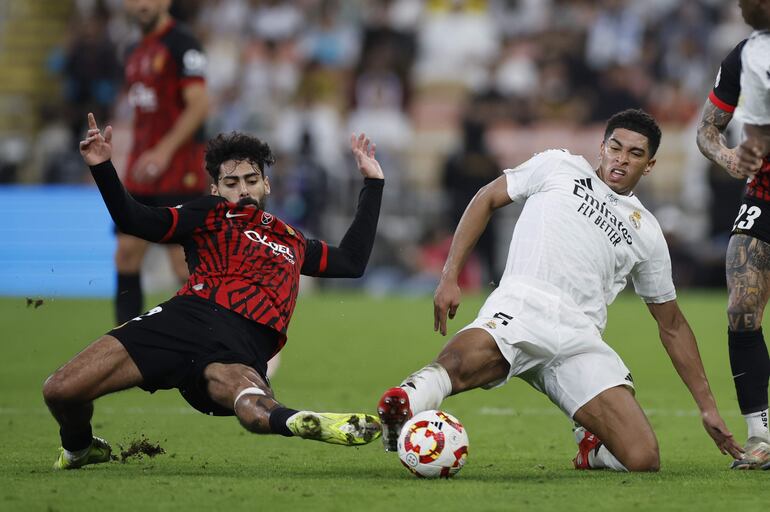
(554,348)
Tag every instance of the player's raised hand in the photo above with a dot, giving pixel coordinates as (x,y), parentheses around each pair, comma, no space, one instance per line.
(723,438)
(446,300)
(363,150)
(96,147)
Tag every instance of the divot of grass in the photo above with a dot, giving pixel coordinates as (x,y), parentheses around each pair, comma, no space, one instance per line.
(138,448)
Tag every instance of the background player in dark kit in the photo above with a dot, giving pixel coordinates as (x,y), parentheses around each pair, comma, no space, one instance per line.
(165,83)
(747,270)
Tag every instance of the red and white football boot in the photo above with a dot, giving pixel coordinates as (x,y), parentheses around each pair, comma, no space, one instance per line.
(394,411)
(587,442)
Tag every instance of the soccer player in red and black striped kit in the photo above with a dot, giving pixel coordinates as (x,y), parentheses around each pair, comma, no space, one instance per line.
(748,252)
(213,339)
(166,88)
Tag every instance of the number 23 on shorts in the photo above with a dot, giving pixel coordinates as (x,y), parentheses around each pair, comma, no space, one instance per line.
(746,217)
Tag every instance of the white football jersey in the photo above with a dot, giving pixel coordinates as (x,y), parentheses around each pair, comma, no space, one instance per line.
(579,240)
(754,101)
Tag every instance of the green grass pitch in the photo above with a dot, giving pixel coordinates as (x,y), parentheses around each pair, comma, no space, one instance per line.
(343,351)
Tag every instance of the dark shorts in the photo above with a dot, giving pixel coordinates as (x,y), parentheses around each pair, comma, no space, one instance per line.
(753,219)
(173,343)
(160,200)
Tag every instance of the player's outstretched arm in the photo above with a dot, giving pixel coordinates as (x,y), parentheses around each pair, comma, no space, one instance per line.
(711,140)
(350,258)
(472,224)
(679,341)
(128,214)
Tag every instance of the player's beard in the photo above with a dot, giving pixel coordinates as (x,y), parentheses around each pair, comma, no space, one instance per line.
(250,201)
(149,28)
(149,24)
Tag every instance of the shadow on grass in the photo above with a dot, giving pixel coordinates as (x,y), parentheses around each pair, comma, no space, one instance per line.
(385,473)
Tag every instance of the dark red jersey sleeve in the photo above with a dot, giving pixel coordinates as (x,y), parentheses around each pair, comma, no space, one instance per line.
(349,259)
(727,87)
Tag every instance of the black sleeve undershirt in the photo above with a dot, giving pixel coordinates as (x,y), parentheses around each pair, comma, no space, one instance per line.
(349,259)
(130,216)
(728,89)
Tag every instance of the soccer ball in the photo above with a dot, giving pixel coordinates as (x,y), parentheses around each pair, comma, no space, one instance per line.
(433,444)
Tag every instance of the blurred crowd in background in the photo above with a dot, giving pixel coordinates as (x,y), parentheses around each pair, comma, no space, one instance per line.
(451,91)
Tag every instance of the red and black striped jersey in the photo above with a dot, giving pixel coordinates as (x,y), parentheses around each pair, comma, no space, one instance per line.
(243,258)
(240,257)
(724,95)
(157,70)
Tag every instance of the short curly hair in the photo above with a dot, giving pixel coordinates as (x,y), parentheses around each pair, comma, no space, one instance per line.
(638,121)
(237,146)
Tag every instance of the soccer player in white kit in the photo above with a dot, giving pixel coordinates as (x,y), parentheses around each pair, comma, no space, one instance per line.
(754,103)
(581,233)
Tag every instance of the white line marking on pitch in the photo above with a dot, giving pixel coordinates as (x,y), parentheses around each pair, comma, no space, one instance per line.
(484,411)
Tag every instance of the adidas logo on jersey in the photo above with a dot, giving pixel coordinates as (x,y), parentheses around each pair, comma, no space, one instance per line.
(585,182)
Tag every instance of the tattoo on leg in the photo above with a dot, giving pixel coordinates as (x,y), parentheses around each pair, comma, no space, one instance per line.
(748,282)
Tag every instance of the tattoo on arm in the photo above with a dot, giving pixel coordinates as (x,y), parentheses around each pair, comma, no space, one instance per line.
(748,282)
(711,140)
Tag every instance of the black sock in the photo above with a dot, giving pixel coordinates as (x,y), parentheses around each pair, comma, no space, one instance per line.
(128,301)
(75,440)
(750,364)
(278,417)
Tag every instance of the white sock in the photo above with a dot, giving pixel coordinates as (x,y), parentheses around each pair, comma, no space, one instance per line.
(427,388)
(79,454)
(757,423)
(248,391)
(291,418)
(604,459)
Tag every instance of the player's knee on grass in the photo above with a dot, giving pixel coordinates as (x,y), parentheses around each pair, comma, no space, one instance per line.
(642,458)
(638,450)
(618,420)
